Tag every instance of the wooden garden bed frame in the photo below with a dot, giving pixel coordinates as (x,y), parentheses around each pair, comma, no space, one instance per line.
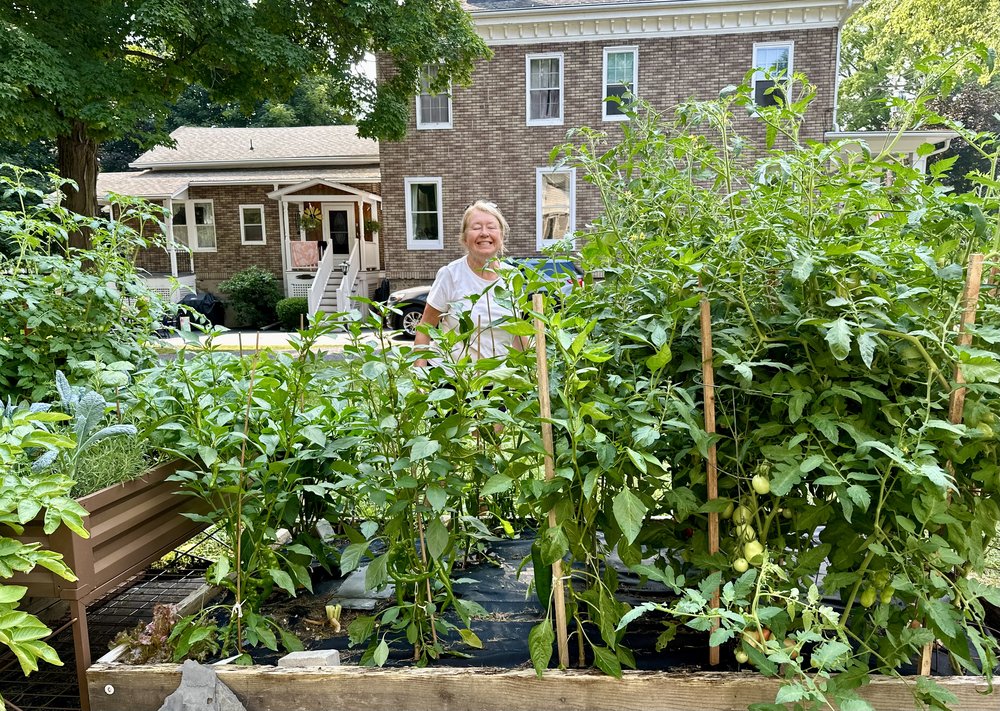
(118,687)
(131,525)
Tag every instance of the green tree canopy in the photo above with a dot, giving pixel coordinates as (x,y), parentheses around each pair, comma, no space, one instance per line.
(110,67)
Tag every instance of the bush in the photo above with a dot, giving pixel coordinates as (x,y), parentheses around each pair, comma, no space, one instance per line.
(289,311)
(253,293)
(64,308)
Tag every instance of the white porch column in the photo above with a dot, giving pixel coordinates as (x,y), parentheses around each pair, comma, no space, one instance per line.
(283,235)
(171,246)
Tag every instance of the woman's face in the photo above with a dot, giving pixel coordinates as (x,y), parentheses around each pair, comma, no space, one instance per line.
(483,236)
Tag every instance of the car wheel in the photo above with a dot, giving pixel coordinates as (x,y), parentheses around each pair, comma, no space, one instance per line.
(410,320)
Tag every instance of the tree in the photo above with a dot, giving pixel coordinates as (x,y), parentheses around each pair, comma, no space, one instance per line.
(99,72)
(884,40)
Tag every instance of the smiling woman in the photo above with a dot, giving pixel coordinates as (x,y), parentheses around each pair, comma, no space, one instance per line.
(467,288)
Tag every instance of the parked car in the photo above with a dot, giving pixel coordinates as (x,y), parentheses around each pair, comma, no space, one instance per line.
(564,274)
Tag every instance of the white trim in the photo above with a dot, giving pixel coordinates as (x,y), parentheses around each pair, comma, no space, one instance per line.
(192,238)
(263,227)
(527,89)
(432,125)
(415,244)
(788,72)
(305,184)
(288,162)
(571,227)
(634,50)
(667,18)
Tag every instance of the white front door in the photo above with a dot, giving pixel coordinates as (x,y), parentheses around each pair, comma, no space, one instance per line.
(338,230)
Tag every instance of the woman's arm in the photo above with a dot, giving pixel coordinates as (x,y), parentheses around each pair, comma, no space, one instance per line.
(431,317)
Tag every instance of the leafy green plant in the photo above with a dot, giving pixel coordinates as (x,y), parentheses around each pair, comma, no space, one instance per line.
(61,307)
(253,294)
(293,312)
(26,492)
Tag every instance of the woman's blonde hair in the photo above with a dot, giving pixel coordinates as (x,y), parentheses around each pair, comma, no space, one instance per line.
(491,209)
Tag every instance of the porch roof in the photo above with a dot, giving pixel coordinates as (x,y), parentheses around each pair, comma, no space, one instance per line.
(161,185)
(897,141)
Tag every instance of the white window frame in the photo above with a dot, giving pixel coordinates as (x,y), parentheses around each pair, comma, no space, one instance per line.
(540,242)
(192,237)
(634,50)
(432,125)
(758,76)
(527,89)
(263,226)
(411,242)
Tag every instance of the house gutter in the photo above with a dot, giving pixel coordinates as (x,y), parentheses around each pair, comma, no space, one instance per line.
(290,163)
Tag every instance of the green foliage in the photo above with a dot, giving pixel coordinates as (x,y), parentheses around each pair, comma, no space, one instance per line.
(291,310)
(834,296)
(253,294)
(68,309)
(25,432)
(132,62)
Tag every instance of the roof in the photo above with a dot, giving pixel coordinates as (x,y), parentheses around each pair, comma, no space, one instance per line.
(232,147)
(488,5)
(164,184)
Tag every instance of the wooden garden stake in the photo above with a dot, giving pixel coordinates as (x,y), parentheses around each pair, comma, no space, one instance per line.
(711,463)
(956,404)
(545,409)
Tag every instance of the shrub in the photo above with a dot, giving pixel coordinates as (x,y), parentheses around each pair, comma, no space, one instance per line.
(253,293)
(289,310)
(64,308)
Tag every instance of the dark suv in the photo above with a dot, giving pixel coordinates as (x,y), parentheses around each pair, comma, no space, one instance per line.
(563,274)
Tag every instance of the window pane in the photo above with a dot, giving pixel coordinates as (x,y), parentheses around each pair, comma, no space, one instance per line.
(180,213)
(424,197)
(425,226)
(206,236)
(203,213)
(545,73)
(555,205)
(621,67)
(545,104)
(762,98)
(253,233)
(253,216)
(773,58)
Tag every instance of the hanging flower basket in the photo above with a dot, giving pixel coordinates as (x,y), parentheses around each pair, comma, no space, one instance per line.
(311,217)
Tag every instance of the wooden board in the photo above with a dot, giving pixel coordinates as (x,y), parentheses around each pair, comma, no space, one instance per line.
(116,687)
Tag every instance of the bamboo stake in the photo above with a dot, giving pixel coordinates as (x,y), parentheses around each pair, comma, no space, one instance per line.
(711,464)
(545,408)
(956,403)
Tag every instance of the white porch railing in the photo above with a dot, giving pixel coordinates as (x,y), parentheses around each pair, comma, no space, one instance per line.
(346,287)
(318,286)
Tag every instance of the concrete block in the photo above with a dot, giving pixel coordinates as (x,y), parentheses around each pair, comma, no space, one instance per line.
(200,688)
(311,658)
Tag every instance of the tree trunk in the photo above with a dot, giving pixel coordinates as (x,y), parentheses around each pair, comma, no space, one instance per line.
(78,162)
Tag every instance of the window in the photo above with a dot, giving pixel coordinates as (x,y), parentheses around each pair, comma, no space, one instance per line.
(544,89)
(424,223)
(621,74)
(772,62)
(555,215)
(252,224)
(433,110)
(194,224)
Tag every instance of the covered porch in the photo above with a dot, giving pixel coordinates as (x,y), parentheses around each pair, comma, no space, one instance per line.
(330,248)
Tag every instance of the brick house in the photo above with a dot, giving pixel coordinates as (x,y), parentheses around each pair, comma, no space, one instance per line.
(554,63)
(236,196)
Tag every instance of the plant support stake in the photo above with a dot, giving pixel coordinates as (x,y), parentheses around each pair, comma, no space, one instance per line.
(711,463)
(956,404)
(545,410)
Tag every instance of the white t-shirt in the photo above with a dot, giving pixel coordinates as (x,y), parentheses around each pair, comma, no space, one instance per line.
(452,294)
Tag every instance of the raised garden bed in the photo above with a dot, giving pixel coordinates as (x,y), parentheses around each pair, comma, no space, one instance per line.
(131,525)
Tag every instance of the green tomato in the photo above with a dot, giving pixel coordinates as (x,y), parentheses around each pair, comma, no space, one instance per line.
(752,551)
(881,578)
(741,656)
(786,513)
(761,484)
(728,511)
(887,593)
(740,565)
(867,597)
(745,532)
(741,514)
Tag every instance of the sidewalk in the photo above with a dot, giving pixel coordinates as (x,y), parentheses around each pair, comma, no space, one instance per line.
(250,341)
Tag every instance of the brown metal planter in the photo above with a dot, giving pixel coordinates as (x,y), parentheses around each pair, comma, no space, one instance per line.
(131,525)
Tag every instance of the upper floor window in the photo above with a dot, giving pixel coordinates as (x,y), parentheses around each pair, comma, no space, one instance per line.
(621,75)
(555,204)
(544,85)
(772,63)
(424,220)
(194,224)
(433,110)
(252,224)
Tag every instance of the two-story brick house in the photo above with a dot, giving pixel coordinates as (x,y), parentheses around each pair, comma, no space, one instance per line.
(554,63)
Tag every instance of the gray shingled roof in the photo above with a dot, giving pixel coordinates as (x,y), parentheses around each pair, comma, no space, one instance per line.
(255,145)
(474,6)
(161,184)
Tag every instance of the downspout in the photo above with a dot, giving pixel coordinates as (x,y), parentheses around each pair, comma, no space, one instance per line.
(851,6)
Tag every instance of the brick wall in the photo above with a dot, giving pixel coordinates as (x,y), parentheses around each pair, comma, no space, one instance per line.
(490,153)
